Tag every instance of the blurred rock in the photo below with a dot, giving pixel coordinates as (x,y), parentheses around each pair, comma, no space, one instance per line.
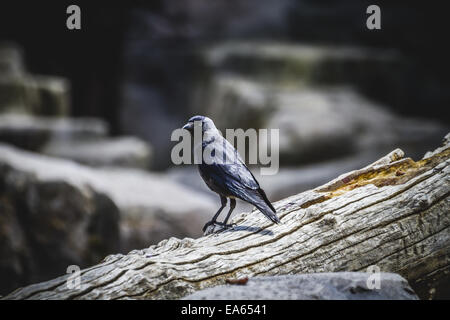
(251,103)
(39,95)
(145,115)
(161,61)
(33,133)
(153,206)
(21,92)
(241,83)
(11,60)
(320,124)
(15,262)
(194,19)
(373,72)
(316,123)
(411,29)
(247,78)
(148,212)
(314,286)
(48,224)
(122,151)
(300,64)
(312,94)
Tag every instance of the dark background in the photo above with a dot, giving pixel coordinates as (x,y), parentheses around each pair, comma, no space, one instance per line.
(93,57)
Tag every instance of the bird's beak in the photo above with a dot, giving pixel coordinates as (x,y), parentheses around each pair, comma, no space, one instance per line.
(189,126)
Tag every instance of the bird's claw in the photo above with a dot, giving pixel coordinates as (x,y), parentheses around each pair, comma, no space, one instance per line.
(207,225)
(221,224)
(226,226)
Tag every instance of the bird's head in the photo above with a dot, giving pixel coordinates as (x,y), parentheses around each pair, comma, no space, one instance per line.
(205,123)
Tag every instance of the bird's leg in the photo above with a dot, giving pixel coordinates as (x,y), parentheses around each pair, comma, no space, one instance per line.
(232,206)
(213,220)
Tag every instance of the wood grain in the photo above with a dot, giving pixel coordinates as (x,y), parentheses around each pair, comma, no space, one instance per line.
(393,214)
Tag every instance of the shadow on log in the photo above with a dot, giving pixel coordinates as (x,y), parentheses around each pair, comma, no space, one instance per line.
(393,214)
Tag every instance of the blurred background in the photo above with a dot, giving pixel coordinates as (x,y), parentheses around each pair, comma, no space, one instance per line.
(86,115)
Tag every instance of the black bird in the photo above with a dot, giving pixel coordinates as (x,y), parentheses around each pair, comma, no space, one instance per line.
(227,175)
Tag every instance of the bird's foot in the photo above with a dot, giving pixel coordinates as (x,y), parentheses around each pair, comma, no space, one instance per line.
(207,225)
(216,223)
(225,226)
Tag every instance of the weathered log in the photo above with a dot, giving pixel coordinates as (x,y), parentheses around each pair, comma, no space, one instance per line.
(393,214)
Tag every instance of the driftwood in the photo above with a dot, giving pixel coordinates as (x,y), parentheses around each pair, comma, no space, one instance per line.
(393,214)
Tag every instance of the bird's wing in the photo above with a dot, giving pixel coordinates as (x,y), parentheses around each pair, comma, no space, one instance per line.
(226,168)
(239,175)
(236,169)
(231,179)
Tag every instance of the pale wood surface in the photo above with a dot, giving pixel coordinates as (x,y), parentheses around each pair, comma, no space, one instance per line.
(393,213)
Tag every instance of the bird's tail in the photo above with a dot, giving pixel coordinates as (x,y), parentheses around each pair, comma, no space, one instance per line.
(266,207)
(268,212)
